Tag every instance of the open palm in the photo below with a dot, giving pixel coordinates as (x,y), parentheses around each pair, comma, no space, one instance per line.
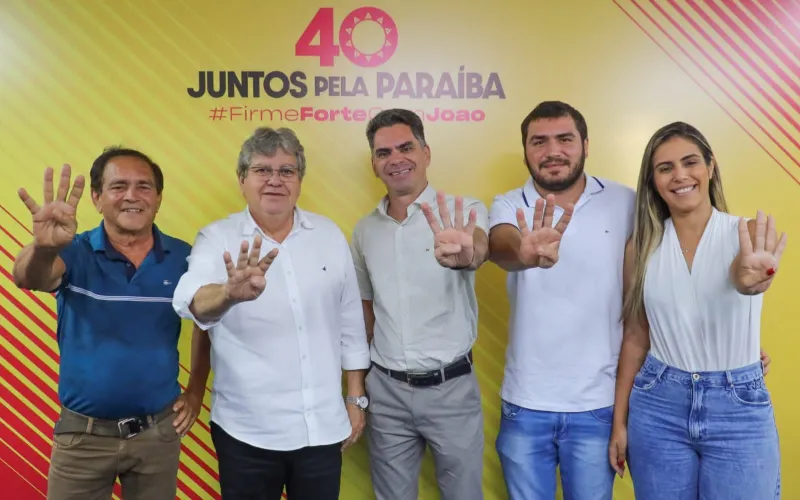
(54,222)
(539,247)
(759,257)
(246,279)
(453,242)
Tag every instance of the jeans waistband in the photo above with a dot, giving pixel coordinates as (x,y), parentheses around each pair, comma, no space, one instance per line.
(742,375)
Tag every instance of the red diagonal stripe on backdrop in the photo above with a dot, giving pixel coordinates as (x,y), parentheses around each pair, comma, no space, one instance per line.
(774,24)
(22,348)
(52,354)
(758,34)
(779,52)
(14,482)
(722,89)
(733,63)
(786,11)
(699,85)
(34,441)
(36,399)
(29,469)
(730,25)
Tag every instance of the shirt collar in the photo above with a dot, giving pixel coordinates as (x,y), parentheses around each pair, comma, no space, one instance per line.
(530,195)
(301,219)
(428,195)
(98,239)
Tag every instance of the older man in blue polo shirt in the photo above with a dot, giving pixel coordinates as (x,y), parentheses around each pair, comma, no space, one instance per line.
(123,413)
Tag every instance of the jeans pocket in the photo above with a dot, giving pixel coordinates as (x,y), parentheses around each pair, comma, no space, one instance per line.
(165,430)
(645,380)
(604,415)
(753,393)
(67,440)
(509,410)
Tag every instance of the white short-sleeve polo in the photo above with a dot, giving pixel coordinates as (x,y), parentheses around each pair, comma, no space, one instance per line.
(565,331)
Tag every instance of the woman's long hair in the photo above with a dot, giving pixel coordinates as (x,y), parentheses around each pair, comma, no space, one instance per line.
(652,211)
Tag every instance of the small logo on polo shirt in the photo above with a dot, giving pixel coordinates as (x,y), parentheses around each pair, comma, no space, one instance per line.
(167,282)
(324,268)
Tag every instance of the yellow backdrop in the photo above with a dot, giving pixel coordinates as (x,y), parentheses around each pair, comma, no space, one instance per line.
(78,76)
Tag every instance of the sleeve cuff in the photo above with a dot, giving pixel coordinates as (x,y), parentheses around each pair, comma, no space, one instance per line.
(182,299)
(356,360)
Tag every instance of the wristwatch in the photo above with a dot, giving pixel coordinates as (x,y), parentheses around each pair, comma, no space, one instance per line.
(362,402)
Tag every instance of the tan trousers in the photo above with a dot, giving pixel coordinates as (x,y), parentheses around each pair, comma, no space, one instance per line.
(85,466)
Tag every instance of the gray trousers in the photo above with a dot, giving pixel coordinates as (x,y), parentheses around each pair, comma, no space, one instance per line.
(402,419)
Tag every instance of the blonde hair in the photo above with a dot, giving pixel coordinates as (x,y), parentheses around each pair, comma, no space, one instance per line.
(652,211)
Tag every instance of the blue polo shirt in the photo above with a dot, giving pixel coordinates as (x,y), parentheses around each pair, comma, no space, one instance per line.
(117,331)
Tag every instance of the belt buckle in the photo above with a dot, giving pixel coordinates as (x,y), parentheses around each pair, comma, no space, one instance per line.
(131,433)
(422,379)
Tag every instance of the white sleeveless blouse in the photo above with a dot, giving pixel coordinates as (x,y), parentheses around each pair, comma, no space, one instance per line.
(698,321)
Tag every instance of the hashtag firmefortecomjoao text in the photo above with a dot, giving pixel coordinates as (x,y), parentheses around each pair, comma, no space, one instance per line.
(343,114)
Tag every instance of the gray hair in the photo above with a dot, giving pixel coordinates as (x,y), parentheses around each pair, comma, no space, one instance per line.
(266,141)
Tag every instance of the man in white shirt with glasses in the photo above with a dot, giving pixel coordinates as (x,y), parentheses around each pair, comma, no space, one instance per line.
(276,287)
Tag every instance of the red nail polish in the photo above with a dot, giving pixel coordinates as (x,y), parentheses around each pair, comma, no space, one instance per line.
(622,464)
(770,271)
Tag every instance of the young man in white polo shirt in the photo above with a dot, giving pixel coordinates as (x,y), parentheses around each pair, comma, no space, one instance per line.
(416,270)
(566,298)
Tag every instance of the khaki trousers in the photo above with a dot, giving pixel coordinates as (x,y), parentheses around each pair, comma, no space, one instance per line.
(85,466)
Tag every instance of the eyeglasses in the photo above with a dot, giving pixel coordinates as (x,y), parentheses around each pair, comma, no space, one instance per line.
(267,172)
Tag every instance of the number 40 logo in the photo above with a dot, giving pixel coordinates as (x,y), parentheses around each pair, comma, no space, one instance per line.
(327,50)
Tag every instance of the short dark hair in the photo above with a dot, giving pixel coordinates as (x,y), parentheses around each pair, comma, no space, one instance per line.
(390,117)
(99,166)
(554,109)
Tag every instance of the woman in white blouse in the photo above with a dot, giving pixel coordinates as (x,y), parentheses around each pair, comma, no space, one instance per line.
(692,412)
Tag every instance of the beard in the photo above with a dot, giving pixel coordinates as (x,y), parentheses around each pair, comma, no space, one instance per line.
(557,185)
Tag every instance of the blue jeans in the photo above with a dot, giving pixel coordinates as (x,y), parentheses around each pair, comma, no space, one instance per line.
(532,443)
(706,435)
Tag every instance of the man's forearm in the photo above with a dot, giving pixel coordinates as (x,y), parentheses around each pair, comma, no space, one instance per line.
(210,303)
(36,269)
(201,363)
(355,382)
(504,251)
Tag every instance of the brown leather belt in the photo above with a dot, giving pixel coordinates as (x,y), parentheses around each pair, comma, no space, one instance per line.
(125,428)
(461,366)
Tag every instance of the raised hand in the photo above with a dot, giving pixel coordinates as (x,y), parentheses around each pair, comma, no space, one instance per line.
(246,279)
(539,248)
(452,241)
(55,223)
(757,264)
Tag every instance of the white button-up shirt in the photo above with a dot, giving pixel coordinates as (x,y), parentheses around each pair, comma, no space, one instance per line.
(278,360)
(565,329)
(426,315)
